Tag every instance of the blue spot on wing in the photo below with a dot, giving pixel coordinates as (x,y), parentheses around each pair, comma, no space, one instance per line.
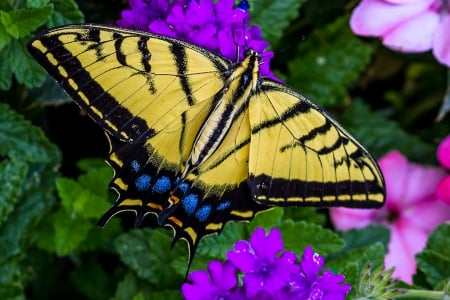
(135,166)
(224,205)
(190,203)
(162,185)
(143,182)
(203,213)
(183,187)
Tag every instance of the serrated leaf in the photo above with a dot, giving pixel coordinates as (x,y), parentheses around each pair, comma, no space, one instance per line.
(147,253)
(12,175)
(217,245)
(434,260)
(36,3)
(22,140)
(65,12)
(5,38)
(439,240)
(26,70)
(298,235)
(380,135)
(273,17)
(355,238)
(329,61)
(69,232)
(266,219)
(5,71)
(23,21)
(34,202)
(80,202)
(307,214)
(436,267)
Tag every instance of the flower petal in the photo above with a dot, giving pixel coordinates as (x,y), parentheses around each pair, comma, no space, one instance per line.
(441,44)
(427,214)
(223,274)
(378,17)
(443,191)
(414,34)
(243,257)
(407,183)
(311,263)
(406,241)
(266,247)
(348,218)
(443,151)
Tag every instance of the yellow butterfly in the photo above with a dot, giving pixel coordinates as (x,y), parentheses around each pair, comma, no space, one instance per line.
(198,140)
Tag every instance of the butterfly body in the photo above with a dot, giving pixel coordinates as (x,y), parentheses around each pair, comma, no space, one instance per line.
(198,140)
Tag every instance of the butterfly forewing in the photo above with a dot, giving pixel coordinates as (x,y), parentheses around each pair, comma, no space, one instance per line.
(133,84)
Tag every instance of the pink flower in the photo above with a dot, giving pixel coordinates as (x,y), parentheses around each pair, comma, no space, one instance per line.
(406,25)
(411,212)
(443,156)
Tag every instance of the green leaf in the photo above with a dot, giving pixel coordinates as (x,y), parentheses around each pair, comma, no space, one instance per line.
(5,38)
(298,235)
(37,3)
(65,12)
(25,68)
(80,201)
(307,214)
(273,17)
(434,260)
(356,238)
(92,280)
(21,22)
(69,232)
(146,252)
(66,241)
(12,175)
(22,140)
(380,135)
(325,68)
(6,72)
(268,219)
(217,245)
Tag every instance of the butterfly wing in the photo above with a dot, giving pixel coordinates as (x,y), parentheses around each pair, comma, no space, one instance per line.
(217,191)
(300,156)
(151,92)
(131,83)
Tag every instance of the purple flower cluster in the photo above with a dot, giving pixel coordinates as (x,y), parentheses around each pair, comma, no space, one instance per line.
(219,27)
(267,271)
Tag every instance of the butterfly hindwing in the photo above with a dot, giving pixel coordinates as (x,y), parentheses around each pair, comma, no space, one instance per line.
(301,156)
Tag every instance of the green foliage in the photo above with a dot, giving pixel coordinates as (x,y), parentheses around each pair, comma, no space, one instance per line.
(324,69)
(50,246)
(434,260)
(17,23)
(273,17)
(381,135)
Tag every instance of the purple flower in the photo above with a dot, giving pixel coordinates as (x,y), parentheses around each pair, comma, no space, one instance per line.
(266,267)
(308,284)
(268,272)
(219,27)
(217,283)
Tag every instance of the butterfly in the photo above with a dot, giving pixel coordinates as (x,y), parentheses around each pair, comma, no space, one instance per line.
(198,140)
